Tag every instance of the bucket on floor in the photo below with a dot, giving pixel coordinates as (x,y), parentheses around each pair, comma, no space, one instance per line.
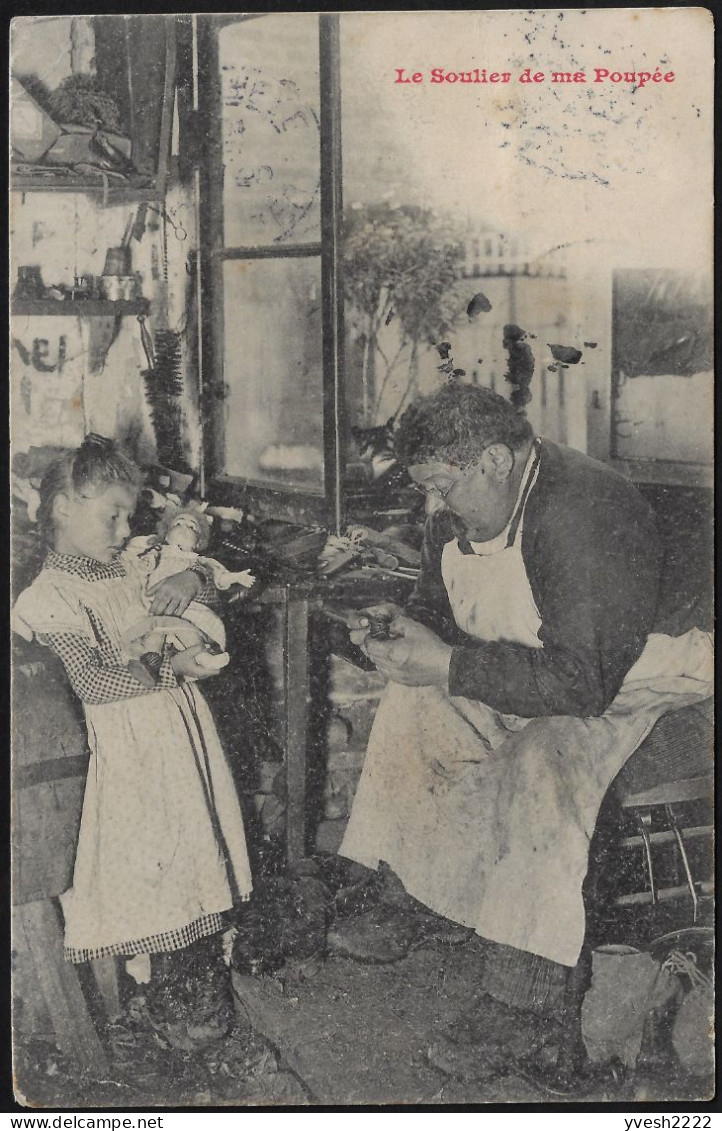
(618,1002)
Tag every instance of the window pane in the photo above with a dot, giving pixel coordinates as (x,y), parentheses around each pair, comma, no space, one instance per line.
(273,370)
(663,337)
(270,122)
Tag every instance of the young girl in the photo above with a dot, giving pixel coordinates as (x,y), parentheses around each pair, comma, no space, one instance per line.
(161,850)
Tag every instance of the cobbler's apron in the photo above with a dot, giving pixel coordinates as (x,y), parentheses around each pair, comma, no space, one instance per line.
(487,817)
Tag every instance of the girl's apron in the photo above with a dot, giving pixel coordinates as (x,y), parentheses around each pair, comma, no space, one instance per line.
(486,817)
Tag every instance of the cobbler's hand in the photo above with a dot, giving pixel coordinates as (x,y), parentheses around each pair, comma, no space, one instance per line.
(173,595)
(414,656)
(186,666)
(358,621)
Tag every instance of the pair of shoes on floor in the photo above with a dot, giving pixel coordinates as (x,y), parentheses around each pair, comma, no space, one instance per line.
(189,1001)
(388,933)
(378,921)
(380,935)
(393,893)
(365,888)
(356,897)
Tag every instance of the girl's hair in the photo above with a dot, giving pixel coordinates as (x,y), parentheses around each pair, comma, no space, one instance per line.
(456,423)
(94,465)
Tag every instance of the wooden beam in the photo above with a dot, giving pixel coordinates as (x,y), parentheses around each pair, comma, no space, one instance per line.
(295,652)
(39,925)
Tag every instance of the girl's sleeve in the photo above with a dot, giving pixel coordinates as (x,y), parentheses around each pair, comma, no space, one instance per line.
(56,618)
(95,681)
(44,608)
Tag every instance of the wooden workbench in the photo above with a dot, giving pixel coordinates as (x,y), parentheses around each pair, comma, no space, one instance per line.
(300,599)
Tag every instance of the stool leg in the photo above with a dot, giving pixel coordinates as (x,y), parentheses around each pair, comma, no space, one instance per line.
(105,972)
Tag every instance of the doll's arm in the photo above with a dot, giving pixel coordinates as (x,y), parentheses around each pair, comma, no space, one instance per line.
(224,578)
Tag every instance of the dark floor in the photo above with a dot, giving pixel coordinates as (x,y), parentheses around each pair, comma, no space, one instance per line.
(337,1031)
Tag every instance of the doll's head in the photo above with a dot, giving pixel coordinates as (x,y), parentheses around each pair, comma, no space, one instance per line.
(187,529)
(184,533)
(87,498)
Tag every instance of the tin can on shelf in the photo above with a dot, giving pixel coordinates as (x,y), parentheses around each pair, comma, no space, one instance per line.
(117,261)
(119,288)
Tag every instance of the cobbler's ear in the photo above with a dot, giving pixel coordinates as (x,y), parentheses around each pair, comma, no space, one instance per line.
(61,507)
(500,461)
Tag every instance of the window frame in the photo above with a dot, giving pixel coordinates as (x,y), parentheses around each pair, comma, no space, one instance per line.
(326,508)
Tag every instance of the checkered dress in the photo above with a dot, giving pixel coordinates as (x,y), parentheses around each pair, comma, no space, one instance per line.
(161,851)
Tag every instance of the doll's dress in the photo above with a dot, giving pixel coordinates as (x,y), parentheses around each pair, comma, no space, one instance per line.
(161,849)
(161,562)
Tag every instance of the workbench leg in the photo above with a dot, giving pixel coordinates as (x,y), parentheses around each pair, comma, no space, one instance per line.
(58,980)
(295,651)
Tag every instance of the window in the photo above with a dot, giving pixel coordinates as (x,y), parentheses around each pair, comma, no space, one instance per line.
(663,366)
(270,214)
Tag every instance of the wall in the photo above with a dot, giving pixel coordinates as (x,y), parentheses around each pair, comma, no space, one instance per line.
(68,235)
(63,383)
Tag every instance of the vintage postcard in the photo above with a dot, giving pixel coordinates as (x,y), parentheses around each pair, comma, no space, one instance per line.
(362,420)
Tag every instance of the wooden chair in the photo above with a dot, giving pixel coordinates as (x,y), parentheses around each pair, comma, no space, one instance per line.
(651,862)
(667,787)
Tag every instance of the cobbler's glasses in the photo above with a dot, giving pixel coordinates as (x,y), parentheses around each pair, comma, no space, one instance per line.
(435,492)
(443,493)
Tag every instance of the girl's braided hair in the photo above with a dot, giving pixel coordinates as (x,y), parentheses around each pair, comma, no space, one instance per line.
(456,423)
(95,464)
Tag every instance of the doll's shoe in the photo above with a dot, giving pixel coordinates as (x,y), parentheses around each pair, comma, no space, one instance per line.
(212,662)
(152,662)
(143,671)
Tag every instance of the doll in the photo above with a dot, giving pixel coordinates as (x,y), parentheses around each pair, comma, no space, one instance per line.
(183,533)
